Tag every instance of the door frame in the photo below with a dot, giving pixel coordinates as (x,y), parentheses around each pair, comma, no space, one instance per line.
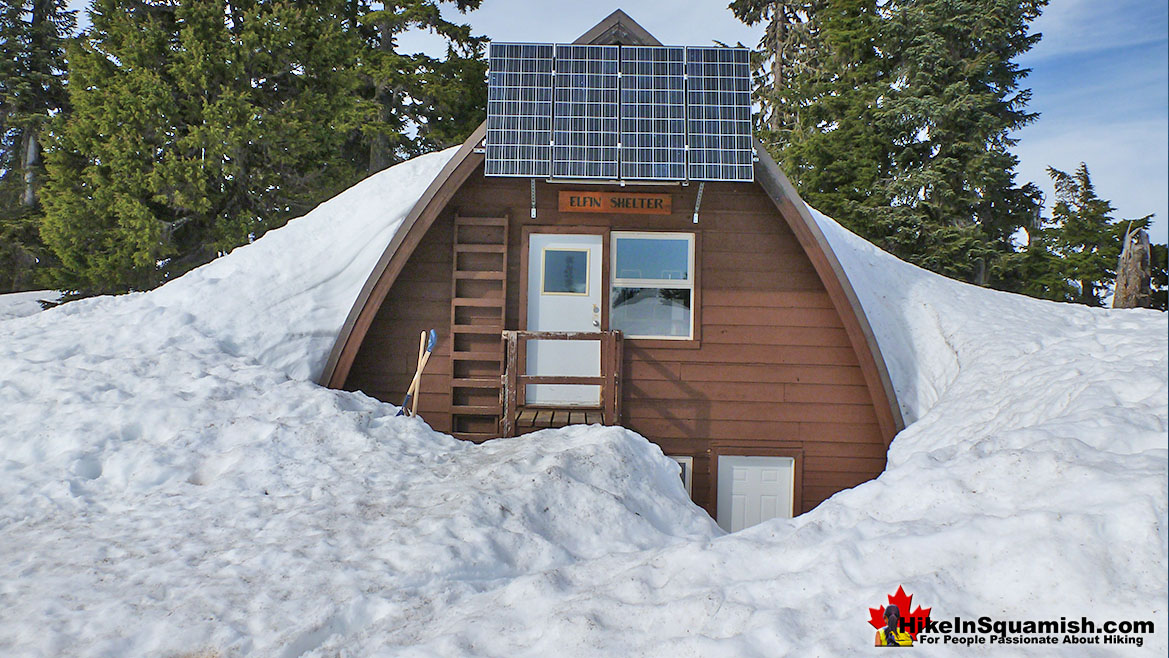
(796,454)
(525,247)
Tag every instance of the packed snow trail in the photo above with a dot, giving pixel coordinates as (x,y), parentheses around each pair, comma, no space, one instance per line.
(174,483)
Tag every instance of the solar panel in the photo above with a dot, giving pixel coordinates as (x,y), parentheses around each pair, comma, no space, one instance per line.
(584,124)
(519,110)
(619,112)
(718,106)
(653,112)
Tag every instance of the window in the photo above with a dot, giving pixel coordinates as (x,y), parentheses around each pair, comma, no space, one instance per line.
(653,285)
(565,272)
(687,466)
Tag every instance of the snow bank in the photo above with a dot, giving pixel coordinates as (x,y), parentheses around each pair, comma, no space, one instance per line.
(287,295)
(171,484)
(22,304)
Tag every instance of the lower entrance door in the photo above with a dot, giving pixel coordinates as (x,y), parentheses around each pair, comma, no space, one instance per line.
(752,490)
(564,294)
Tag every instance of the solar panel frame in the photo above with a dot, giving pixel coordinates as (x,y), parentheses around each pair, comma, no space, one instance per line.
(573,111)
(519,110)
(718,114)
(585,137)
(653,113)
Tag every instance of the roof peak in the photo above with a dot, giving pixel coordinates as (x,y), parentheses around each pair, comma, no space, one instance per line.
(618,29)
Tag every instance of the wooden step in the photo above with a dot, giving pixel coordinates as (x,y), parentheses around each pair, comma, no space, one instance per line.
(540,417)
(476,436)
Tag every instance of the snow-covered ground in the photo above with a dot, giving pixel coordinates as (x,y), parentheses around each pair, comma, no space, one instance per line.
(172,483)
(21,304)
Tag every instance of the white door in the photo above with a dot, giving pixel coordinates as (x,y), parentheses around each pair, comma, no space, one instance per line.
(564,294)
(754,489)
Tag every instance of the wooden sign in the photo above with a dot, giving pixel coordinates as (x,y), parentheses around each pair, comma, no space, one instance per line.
(618,202)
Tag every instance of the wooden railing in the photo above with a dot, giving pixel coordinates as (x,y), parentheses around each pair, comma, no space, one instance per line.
(516,379)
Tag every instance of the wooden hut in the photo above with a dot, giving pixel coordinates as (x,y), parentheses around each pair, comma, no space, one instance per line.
(713,319)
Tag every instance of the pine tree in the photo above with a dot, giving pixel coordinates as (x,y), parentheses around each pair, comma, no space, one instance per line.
(953,103)
(196,127)
(895,117)
(1085,236)
(1159,260)
(423,103)
(819,82)
(32,88)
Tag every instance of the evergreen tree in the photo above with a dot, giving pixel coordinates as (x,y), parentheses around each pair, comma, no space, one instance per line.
(1085,237)
(196,127)
(895,117)
(423,103)
(819,85)
(32,88)
(951,107)
(1159,260)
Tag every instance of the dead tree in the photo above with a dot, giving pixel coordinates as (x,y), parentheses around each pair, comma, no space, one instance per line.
(1133,273)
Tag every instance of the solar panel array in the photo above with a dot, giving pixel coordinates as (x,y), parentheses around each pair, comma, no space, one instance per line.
(619,112)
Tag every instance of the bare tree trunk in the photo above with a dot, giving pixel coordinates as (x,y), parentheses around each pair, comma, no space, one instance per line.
(380,151)
(1134,272)
(30,161)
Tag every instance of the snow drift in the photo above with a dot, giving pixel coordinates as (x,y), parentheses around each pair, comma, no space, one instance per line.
(173,483)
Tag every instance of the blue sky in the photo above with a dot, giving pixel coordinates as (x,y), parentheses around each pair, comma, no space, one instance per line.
(1100,81)
(1100,78)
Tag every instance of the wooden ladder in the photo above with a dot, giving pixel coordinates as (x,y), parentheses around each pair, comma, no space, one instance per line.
(478,301)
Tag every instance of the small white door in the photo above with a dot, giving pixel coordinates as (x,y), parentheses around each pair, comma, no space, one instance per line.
(564,294)
(754,489)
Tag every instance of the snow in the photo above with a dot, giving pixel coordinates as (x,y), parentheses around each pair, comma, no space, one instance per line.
(22,304)
(173,483)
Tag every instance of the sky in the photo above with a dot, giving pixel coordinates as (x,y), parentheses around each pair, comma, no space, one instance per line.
(1099,76)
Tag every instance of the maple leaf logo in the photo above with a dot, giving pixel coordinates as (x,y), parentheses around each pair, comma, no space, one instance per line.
(911,623)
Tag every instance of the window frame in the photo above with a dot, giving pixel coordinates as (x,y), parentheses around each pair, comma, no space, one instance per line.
(544,272)
(686,463)
(690,283)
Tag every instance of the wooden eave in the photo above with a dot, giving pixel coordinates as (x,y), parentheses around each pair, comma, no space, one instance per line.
(618,28)
(619,25)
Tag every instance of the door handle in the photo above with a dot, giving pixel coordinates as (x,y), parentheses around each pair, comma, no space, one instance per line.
(596,323)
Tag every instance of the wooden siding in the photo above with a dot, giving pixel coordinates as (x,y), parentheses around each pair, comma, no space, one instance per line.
(774,368)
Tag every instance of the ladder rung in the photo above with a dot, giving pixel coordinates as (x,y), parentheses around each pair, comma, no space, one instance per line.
(480,275)
(476,382)
(481,221)
(477,356)
(477,329)
(475,409)
(496,302)
(482,248)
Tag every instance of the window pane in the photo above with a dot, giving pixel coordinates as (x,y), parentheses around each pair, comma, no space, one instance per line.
(653,258)
(566,271)
(657,312)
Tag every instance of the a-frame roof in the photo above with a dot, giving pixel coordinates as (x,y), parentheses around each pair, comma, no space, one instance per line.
(619,28)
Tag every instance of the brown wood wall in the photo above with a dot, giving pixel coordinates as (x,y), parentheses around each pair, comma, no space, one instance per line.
(773,372)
